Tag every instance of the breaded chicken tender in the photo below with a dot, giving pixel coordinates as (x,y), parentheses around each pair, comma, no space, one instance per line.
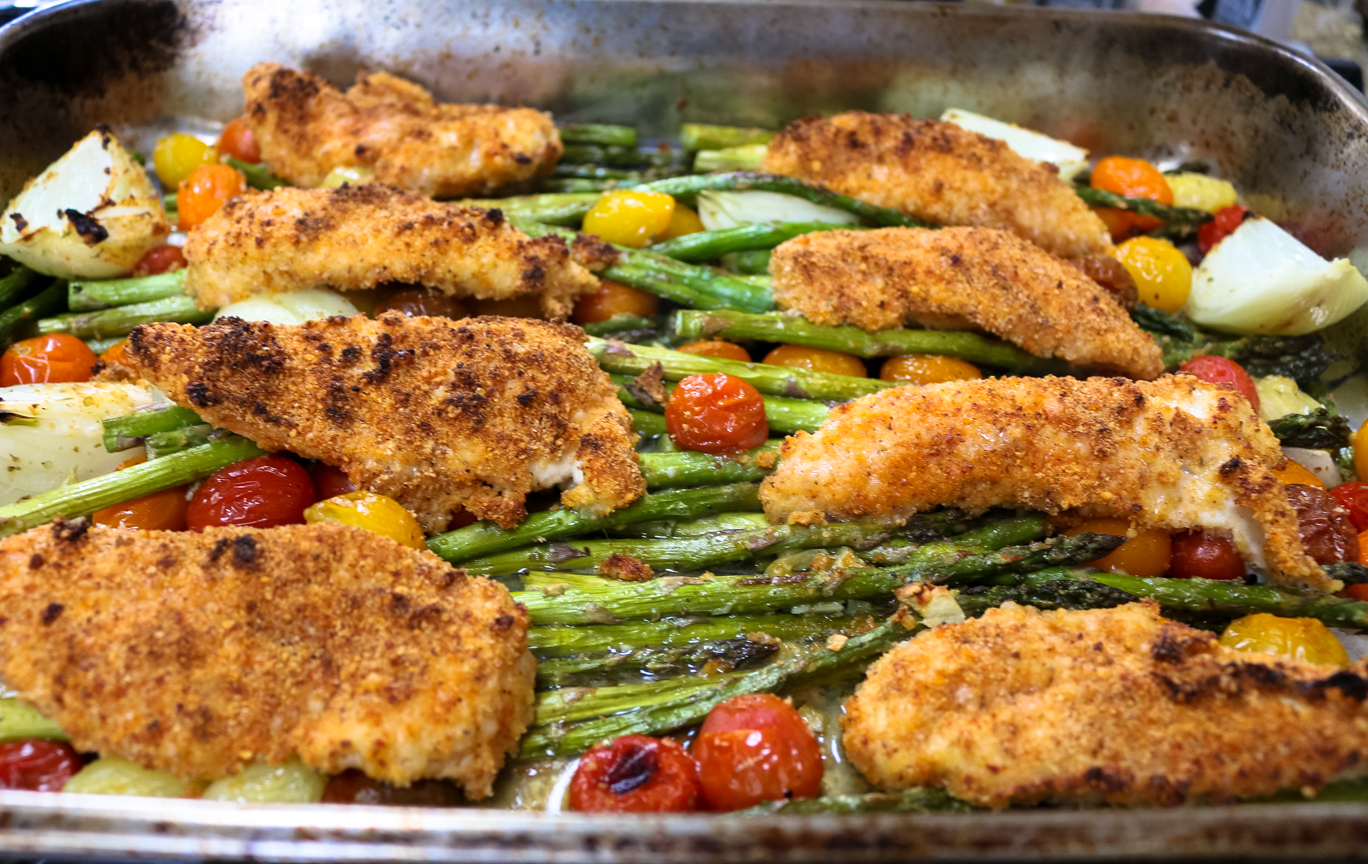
(306,128)
(200,654)
(1176,453)
(1115,705)
(940,173)
(358,237)
(982,277)
(437,414)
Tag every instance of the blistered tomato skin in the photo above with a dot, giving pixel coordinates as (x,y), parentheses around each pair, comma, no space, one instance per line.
(1326,532)
(756,748)
(330,482)
(613,299)
(719,348)
(1199,555)
(159,259)
(635,774)
(261,492)
(716,414)
(1353,497)
(817,360)
(1299,638)
(927,369)
(1148,554)
(57,358)
(378,513)
(208,188)
(237,141)
(1219,370)
(34,765)
(1226,221)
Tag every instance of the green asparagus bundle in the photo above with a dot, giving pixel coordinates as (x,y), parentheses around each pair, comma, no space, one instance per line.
(655,663)
(87,296)
(564,641)
(129,430)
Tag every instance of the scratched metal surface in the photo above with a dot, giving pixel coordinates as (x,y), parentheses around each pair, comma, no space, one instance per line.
(1283,128)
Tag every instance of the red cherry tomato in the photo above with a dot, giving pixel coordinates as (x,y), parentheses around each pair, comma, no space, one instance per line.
(1354,498)
(1226,221)
(237,141)
(716,414)
(1199,555)
(635,774)
(330,482)
(160,259)
(34,765)
(753,749)
(53,359)
(1219,370)
(259,493)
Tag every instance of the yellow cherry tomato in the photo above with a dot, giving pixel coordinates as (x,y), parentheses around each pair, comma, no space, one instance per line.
(927,369)
(175,156)
(816,360)
(683,221)
(1296,473)
(1300,638)
(1146,554)
(378,513)
(1162,274)
(630,218)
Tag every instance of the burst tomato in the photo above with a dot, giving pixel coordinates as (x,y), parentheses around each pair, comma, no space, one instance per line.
(160,259)
(1353,497)
(716,414)
(1219,370)
(635,774)
(260,493)
(53,359)
(756,748)
(1199,555)
(35,765)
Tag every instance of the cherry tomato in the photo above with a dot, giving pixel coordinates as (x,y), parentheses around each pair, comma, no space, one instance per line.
(53,359)
(34,765)
(1219,370)
(630,218)
(329,481)
(1359,592)
(684,220)
(613,299)
(1353,497)
(259,493)
(635,774)
(208,188)
(160,511)
(1326,532)
(354,787)
(176,155)
(717,348)
(528,306)
(423,302)
(927,369)
(1297,474)
(1130,178)
(1162,274)
(816,360)
(1361,451)
(716,414)
(1226,221)
(1299,638)
(116,354)
(237,141)
(378,513)
(160,259)
(753,749)
(1199,555)
(1147,554)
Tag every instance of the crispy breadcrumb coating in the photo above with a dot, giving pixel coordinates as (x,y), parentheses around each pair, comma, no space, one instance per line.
(358,237)
(1176,453)
(437,414)
(199,654)
(306,128)
(940,173)
(985,277)
(1115,705)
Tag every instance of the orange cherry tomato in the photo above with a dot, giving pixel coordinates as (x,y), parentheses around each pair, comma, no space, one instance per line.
(1130,178)
(756,748)
(53,359)
(717,348)
(927,369)
(422,302)
(160,259)
(635,774)
(1358,592)
(261,492)
(1226,221)
(1200,555)
(160,511)
(1219,370)
(35,765)
(716,414)
(613,299)
(237,141)
(1146,554)
(206,190)
(330,482)
(817,360)
(116,354)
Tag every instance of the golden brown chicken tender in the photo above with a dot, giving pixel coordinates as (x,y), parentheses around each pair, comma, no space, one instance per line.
(1115,705)
(980,277)
(940,173)
(1176,453)
(438,414)
(358,237)
(306,128)
(199,654)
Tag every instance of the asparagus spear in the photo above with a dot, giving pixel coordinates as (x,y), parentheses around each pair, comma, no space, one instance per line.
(486,538)
(596,172)
(706,245)
(166,443)
(657,663)
(918,800)
(578,703)
(665,285)
(550,642)
(1318,430)
(646,424)
(578,184)
(783,414)
(129,430)
(707,136)
(599,154)
(697,469)
(781,327)
(599,133)
(86,296)
(747,157)
(121,320)
(774,380)
(258,175)
(100,346)
(84,498)
(751,262)
(687,187)
(627,325)
(45,302)
(567,208)
(1176,219)
(15,284)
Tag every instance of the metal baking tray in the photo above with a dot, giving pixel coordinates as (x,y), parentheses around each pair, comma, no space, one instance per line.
(1284,128)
